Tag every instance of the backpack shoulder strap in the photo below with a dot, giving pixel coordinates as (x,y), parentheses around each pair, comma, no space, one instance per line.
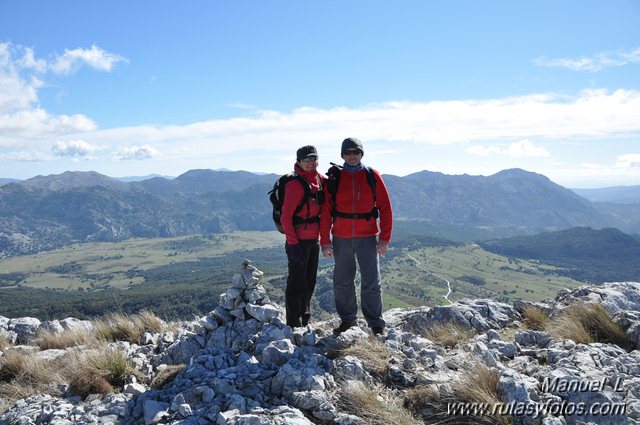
(371,178)
(306,186)
(333,179)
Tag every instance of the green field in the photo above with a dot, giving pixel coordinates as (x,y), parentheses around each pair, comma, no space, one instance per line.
(183,277)
(120,264)
(420,275)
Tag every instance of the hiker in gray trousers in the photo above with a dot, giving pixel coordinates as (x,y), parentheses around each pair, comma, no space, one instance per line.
(357,214)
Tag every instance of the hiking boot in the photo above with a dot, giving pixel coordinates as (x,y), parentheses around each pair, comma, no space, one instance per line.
(378,330)
(343,327)
(305,319)
(294,323)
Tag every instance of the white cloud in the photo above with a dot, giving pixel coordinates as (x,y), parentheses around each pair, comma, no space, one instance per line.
(95,58)
(592,114)
(592,166)
(525,148)
(631,160)
(594,63)
(21,120)
(17,92)
(32,124)
(73,148)
(521,149)
(137,152)
(484,151)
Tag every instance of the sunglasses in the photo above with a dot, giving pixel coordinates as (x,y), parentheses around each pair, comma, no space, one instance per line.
(310,159)
(352,152)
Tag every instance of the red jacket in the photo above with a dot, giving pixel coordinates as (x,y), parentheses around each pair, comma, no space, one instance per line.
(356,196)
(294,192)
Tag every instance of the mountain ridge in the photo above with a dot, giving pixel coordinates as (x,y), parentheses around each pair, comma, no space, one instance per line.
(614,194)
(51,211)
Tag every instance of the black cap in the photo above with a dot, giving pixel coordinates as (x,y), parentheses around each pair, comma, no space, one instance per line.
(306,152)
(351,143)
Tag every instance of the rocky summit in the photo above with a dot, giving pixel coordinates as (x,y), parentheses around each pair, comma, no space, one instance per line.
(473,362)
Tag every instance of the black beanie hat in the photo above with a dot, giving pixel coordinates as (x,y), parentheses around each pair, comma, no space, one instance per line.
(306,152)
(351,143)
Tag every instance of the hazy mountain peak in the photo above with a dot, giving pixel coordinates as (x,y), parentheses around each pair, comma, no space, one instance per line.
(73,179)
(519,173)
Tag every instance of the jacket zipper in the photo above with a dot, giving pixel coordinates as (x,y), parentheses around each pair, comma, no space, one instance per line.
(355,199)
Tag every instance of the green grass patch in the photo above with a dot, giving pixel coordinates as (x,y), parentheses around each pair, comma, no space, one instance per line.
(472,273)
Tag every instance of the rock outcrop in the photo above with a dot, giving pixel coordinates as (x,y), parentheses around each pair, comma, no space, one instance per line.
(242,365)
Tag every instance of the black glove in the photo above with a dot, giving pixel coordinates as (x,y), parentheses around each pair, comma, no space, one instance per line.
(295,252)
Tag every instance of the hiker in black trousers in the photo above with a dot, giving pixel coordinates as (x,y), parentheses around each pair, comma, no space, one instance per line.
(301,225)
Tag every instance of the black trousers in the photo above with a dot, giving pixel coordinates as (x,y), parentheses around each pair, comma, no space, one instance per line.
(301,283)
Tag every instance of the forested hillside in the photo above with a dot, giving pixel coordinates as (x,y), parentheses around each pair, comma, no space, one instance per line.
(582,253)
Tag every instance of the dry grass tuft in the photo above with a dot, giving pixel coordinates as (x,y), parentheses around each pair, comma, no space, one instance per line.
(12,365)
(166,376)
(127,327)
(373,354)
(113,365)
(4,342)
(477,385)
(567,327)
(47,340)
(534,318)
(375,405)
(24,374)
(118,327)
(98,371)
(89,381)
(480,385)
(586,323)
(448,334)
(150,322)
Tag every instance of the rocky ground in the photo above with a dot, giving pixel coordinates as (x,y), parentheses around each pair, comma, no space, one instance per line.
(244,366)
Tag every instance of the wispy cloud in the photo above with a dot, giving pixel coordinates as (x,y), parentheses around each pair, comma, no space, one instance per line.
(26,156)
(521,149)
(136,152)
(594,63)
(95,58)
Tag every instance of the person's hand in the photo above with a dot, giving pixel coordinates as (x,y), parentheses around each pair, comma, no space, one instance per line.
(327,251)
(295,253)
(382,247)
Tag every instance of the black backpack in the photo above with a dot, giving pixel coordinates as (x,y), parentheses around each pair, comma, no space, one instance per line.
(333,180)
(276,196)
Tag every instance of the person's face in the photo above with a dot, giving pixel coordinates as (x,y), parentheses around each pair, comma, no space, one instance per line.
(352,157)
(308,164)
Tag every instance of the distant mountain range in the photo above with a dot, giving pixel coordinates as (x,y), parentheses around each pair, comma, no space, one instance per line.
(46,212)
(6,180)
(616,194)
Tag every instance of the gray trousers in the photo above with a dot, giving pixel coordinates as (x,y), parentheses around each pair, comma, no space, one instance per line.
(346,252)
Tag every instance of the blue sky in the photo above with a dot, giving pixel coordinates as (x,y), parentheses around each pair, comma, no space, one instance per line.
(130,88)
